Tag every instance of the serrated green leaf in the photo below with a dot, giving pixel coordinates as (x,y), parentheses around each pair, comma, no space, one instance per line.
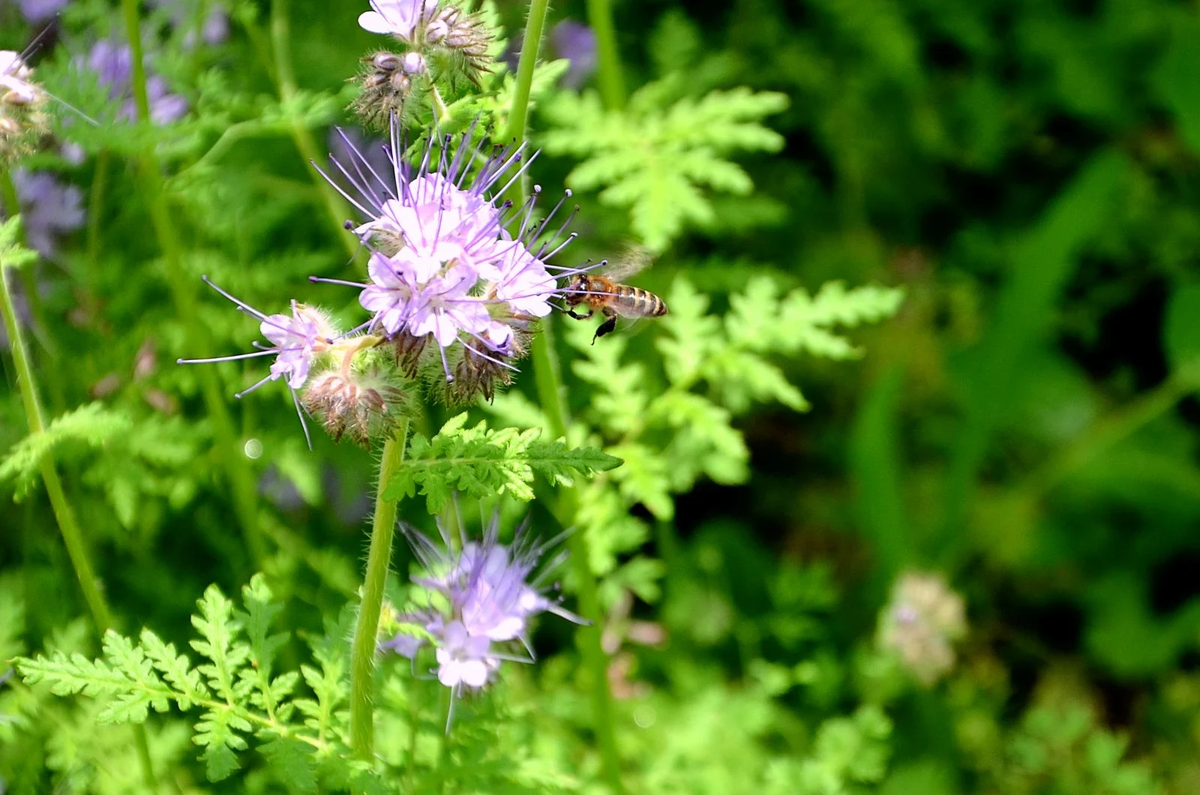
(219,630)
(90,426)
(478,462)
(293,762)
(655,161)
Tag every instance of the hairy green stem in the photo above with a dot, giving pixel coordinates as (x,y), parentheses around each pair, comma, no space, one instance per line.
(241,478)
(548,381)
(608,71)
(531,44)
(362,652)
(306,145)
(64,515)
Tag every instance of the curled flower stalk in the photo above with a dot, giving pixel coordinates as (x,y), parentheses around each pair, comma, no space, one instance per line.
(488,594)
(442,43)
(450,288)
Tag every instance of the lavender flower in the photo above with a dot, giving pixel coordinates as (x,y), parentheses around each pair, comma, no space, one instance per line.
(49,209)
(444,270)
(488,600)
(15,84)
(22,119)
(426,28)
(577,43)
(297,340)
(36,11)
(113,65)
(400,18)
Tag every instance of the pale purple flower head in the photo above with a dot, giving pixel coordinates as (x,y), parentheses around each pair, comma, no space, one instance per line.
(49,209)
(297,339)
(15,77)
(444,265)
(400,18)
(489,595)
(113,65)
(577,43)
(40,10)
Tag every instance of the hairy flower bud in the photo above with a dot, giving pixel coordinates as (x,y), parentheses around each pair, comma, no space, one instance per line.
(386,86)
(362,405)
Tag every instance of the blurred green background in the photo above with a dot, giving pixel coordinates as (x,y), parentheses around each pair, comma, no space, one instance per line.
(1025,428)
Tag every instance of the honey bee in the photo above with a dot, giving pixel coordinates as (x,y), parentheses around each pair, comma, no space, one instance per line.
(605,293)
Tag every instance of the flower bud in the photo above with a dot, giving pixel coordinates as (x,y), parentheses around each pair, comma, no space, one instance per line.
(386,86)
(363,405)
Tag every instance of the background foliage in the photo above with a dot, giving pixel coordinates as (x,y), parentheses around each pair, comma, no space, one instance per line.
(1025,426)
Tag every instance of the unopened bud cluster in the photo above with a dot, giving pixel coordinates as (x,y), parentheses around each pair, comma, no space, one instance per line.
(920,624)
(442,43)
(22,107)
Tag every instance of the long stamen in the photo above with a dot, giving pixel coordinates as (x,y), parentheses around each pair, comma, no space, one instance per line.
(240,304)
(235,357)
(248,390)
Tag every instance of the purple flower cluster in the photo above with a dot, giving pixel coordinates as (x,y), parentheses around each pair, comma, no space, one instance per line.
(112,63)
(443,266)
(487,601)
(49,209)
(297,339)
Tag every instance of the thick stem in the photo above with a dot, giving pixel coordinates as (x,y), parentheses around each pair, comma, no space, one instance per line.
(362,653)
(612,82)
(241,479)
(518,115)
(68,526)
(302,137)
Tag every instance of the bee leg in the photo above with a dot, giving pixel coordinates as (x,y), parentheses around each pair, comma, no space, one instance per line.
(578,316)
(606,327)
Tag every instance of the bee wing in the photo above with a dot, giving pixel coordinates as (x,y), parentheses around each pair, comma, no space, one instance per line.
(633,259)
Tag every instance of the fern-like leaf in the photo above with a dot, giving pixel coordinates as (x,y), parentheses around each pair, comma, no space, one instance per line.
(92,425)
(658,162)
(478,462)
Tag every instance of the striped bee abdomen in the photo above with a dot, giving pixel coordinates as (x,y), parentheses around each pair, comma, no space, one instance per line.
(636,302)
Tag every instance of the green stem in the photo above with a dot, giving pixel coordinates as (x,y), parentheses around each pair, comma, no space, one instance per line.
(95,211)
(241,478)
(68,526)
(362,654)
(612,82)
(33,299)
(548,381)
(440,111)
(306,145)
(518,116)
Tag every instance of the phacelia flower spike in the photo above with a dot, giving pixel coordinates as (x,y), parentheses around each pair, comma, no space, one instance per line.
(297,340)
(449,283)
(489,595)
